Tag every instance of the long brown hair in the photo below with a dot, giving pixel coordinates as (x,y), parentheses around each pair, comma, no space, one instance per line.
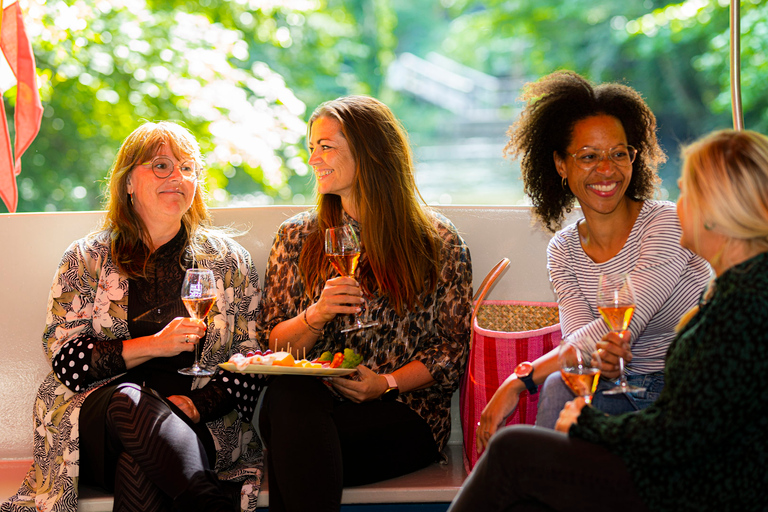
(130,241)
(401,244)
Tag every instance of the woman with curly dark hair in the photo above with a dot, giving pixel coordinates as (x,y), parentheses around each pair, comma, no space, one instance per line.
(702,444)
(597,145)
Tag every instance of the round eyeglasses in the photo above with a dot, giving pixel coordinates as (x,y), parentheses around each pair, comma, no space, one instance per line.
(588,158)
(162,167)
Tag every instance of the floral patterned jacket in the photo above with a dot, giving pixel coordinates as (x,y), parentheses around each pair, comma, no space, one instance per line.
(89,297)
(435,333)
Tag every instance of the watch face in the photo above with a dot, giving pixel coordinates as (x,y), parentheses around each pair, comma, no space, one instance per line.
(390,394)
(523,369)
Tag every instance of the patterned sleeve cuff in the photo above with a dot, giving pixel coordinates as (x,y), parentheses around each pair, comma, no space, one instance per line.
(86,359)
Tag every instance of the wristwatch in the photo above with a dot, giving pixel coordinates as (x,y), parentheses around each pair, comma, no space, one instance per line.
(392,391)
(524,372)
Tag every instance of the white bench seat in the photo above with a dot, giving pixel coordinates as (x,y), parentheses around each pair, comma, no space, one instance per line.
(437,483)
(34,243)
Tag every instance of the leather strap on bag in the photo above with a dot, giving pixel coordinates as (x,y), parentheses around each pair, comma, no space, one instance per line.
(486,286)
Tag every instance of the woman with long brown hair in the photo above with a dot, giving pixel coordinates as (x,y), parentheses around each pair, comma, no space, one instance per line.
(415,278)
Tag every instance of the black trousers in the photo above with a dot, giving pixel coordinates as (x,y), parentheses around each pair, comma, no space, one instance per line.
(145,450)
(317,444)
(532,469)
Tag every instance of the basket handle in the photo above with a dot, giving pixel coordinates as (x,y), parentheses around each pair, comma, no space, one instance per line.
(487,284)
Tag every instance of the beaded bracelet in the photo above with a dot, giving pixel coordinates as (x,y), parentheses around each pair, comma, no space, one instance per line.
(313,330)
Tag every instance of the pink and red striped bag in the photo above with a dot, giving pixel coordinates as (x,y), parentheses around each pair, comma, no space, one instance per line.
(504,334)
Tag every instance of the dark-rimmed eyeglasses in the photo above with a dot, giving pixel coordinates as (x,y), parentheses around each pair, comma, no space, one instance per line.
(162,167)
(588,158)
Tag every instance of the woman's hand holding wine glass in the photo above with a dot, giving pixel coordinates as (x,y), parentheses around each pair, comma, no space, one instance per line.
(342,248)
(616,303)
(198,293)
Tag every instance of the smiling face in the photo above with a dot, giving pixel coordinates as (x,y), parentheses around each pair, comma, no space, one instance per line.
(161,202)
(602,189)
(332,160)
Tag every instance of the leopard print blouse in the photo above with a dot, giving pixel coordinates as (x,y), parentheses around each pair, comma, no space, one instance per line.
(435,333)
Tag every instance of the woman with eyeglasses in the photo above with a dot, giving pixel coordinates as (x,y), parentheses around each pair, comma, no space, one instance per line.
(702,444)
(115,412)
(597,145)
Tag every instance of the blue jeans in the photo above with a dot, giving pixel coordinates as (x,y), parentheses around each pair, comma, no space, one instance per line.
(555,393)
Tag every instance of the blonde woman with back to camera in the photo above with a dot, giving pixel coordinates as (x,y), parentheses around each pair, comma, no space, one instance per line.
(702,444)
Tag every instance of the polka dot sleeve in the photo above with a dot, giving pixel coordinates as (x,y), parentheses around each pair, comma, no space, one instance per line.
(85,360)
(244,389)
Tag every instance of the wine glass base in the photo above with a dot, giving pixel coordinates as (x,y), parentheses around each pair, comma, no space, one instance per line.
(623,388)
(196,371)
(361,326)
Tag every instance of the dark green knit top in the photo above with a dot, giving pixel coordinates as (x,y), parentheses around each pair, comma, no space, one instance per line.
(704,444)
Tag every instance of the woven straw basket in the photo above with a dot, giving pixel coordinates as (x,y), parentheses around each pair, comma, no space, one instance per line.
(513,317)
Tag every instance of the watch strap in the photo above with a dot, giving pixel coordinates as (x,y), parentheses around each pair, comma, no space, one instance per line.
(391,381)
(392,391)
(529,384)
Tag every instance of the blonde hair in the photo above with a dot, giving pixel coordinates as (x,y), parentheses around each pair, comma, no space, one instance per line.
(725,178)
(130,242)
(402,246)
(725,181)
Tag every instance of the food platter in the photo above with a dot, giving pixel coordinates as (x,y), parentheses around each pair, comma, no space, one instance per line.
(266,369)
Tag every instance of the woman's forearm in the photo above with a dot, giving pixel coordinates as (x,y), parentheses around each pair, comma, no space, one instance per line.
(413,376)
(300,333)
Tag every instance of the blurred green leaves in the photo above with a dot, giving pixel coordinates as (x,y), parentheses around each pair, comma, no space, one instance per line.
(675,53)
(219,68)
(244,74)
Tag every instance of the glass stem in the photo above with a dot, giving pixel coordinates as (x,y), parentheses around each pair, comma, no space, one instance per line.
(622,378)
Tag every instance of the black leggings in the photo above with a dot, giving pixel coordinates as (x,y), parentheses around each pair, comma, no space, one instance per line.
(317,444)
(532,469)
(158,461)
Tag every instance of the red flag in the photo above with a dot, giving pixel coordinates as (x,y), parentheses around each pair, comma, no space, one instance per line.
(29,111)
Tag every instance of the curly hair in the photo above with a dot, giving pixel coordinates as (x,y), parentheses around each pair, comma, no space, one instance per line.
(554,104)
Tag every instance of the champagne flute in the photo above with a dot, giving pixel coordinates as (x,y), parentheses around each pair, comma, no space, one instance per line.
(579,368)
(342,248)
(198,294)
(616,303)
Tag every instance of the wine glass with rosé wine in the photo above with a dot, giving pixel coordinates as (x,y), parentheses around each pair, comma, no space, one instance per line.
(198,293)
(342,248)
(616,303)
(579,366)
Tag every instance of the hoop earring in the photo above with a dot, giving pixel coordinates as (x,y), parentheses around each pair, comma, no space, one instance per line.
(564,182)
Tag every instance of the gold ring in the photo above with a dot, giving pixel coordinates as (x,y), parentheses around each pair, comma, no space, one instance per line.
(186,338)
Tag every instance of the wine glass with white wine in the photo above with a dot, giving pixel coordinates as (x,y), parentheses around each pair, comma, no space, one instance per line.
(342,248)
(198,293)
(580,366)
(616,303)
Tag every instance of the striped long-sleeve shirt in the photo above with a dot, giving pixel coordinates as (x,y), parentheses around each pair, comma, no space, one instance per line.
(667,281)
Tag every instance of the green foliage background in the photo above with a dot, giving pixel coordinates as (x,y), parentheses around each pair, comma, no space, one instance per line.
(243,75)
